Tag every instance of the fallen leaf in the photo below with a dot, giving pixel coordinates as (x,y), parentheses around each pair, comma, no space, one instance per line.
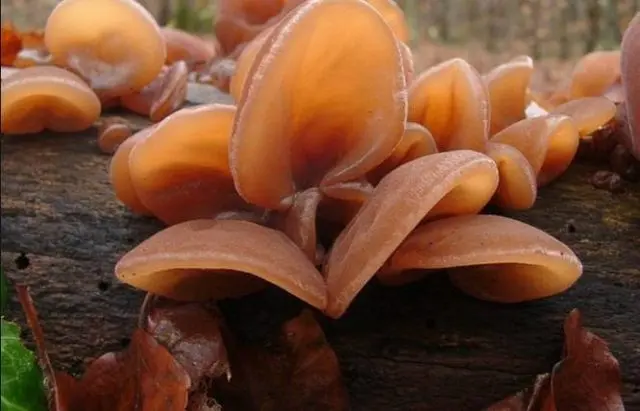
(586,379)
(297,371)
(144,377)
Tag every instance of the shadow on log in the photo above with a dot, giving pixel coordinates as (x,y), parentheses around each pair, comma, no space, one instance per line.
(424,346)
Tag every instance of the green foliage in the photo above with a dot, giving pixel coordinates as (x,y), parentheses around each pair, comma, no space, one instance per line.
(21,380)
(193,19)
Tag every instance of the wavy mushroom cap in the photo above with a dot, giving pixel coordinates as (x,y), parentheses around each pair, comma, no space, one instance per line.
(489,257)
(171,93)
(452,102)
(180,171)
(517,189)
(507,85)
(183,46)
(309,136)
(548,142)
(39,98)
(445,184)
(393,15)
(588,113)
(216,259)
(140,101)
(630,67)
(111,134)
(115,45)
(594,73)
(120,173)
(407,62)
(244,63)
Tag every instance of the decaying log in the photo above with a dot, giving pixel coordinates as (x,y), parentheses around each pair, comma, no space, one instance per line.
(423,346)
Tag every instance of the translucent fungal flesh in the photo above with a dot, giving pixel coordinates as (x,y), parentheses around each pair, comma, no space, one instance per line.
(452,102)
(594,73)
(548,142)
(203,259)
(120,173)
(588,114)
(444,184)
(115,45)
(309,136)
(630,66)
(171,93)
(394,17)
(111,134)
(507,85)
(416,142)
(140,101)
(490,257)
(517,189)
(180,171)
(183,46)
(39,98)
(244,63)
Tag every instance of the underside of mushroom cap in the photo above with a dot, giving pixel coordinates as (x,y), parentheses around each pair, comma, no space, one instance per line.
(307,136)
(630,67)
(588,113)
(452,102)
(115,45)
(491,257)
(507,85)
(444,184)
(181,170)
(203,259)
(47,97)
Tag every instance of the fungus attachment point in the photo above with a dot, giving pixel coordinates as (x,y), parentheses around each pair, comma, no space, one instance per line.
(443,184)
(111,133)
(39,98)
(452,102)
(180,171)
(204,259)
(548,142)
(517,189)
(115,45)
(318,137)
(631,80)
(507,85)
(490,257)
(588,114)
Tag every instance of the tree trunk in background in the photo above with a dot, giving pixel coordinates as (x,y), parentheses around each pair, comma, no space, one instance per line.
(593,26)
(612,21)
(443,21)
(536,46)
(164,14)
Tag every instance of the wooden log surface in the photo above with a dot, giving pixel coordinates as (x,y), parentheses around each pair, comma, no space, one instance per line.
(423,346)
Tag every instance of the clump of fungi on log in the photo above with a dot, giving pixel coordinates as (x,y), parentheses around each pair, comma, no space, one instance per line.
(337,163)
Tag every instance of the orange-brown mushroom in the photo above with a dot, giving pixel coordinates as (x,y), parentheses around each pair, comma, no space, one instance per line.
(244,63)
(517,189)
(140,101)
(180,171)
(507,85)
(394,17)
(111,133)
(205,259)
(323,137)
(548,142)
(416,142)
(630,68)
(452,102)
(588,114)
(183,46)
(39,98)
(490,257)
(444,184)
(120,173)
(115,45)
(11,44)
(594,73)
(171,93)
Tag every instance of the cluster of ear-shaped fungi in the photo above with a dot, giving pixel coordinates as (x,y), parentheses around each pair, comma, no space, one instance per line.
(337,163)
(94,55)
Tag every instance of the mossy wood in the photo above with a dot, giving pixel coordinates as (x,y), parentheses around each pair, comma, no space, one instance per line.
(424,346)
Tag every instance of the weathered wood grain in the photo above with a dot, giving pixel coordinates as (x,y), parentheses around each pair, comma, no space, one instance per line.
(423,346)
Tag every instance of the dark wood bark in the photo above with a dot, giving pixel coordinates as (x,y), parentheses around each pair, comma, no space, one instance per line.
(420,347)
